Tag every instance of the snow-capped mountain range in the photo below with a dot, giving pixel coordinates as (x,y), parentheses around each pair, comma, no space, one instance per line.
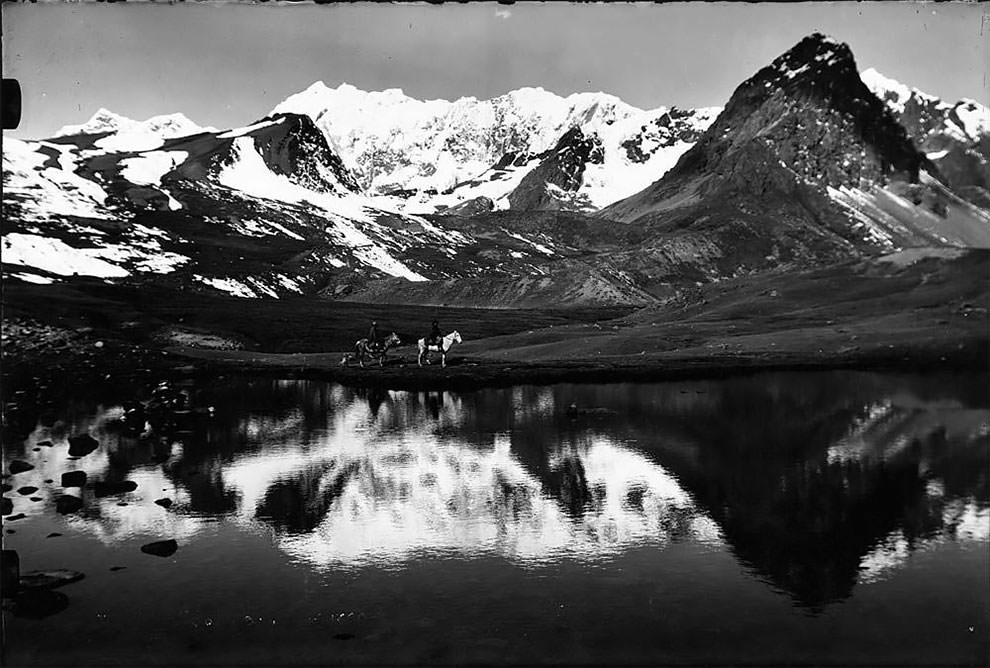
(338,188)
(124,134)
(955,137)
(397,144)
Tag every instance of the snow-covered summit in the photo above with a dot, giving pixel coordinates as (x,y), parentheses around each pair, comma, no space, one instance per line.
(126,134)
(393,141)
(893,92)
(966,120)
(165,125)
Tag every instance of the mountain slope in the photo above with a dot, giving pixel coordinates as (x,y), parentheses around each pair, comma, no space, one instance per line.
(805,164)
(264,210)
(955,137)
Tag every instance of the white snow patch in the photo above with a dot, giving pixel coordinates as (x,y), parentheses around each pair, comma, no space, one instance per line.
(57,257)
(284,230)
(49,192)
(974,117)
(288,283)
(33,278)
(855,202)
(540,247)
(250,175)
(238,132)
(148,169)
(229,285)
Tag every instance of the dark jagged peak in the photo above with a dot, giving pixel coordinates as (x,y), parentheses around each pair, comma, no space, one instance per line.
(807,119)
(816,61)
(819,76)
(288,145)
(560,172)
(292,145)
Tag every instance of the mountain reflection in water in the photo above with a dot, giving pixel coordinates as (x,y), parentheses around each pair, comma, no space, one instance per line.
(814,481)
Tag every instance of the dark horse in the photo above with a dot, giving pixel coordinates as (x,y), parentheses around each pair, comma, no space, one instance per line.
(364,348)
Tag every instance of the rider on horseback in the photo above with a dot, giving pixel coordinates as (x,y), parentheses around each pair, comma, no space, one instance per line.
(436,336)
(373,335)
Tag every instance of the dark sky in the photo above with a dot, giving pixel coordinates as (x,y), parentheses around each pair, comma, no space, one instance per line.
(226,64)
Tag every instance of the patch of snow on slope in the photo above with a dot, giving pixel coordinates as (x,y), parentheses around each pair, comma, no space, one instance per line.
(495,184)
(974,117)
(148,169)
(143,252)
(49,191)
(229,285)
(57,257)
(540,247)
(238,132)
(33,278)
(250,175)
(288,283)
(854,202)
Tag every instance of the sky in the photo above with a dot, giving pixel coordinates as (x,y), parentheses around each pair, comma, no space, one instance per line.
(226,64)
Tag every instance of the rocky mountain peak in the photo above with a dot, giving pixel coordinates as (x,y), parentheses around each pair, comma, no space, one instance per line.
(811,105)
(549,185)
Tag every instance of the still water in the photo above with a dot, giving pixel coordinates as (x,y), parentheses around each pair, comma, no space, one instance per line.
(779,518)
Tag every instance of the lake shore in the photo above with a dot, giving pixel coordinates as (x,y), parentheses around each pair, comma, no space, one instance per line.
(467,372)
(912,312)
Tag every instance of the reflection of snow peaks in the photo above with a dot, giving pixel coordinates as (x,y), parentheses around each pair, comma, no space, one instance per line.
(888,427)
(414,495)
(103,517)
(962,521)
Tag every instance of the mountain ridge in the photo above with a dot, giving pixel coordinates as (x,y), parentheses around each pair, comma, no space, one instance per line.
(804,165)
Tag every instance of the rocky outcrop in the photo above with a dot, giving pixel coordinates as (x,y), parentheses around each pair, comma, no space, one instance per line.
(559,172)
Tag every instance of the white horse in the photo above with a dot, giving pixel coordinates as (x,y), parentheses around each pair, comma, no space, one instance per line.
(445,345)
(364,348)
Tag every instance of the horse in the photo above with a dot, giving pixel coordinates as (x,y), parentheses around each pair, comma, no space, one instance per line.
(445,344)
(364,348)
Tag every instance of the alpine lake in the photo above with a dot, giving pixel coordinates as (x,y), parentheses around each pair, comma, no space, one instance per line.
(786,518)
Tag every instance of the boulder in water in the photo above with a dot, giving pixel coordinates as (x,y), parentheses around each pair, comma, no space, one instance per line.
(102,489)
(49,579)
(39,603)
(73,479)
(161,548)
(10,565)
(82,445)
(19,466)
(67,503)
